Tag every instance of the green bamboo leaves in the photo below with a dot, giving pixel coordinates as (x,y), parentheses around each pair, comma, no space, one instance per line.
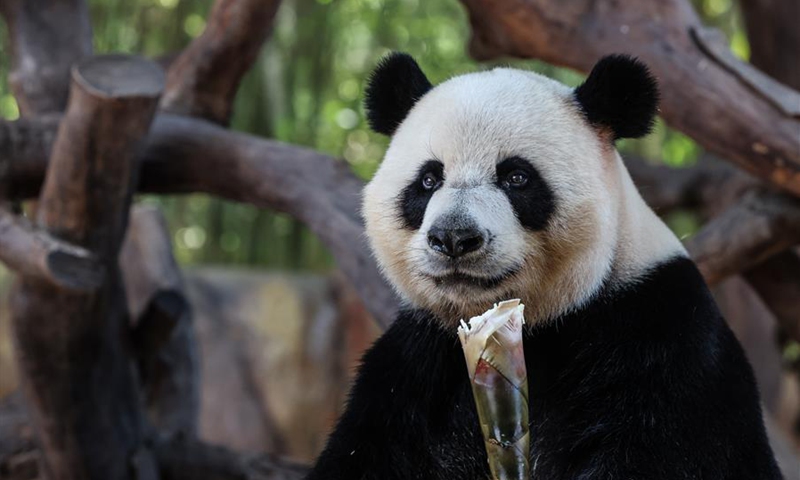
(495,358)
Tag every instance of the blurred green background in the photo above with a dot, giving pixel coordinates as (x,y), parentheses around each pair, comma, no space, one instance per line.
(307,88)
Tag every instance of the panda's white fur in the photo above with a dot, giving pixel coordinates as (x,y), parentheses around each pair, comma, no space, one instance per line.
(474,121)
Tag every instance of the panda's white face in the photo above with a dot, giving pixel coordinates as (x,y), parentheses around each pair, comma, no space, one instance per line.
(495,186)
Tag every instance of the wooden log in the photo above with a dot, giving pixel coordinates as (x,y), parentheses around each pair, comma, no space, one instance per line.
(754,132)
(775,45)
(184,155)
(36,254)
(46,38)
(203,80)
(19,453)
(777,282)
(75,372)
(26,147)
(163,328)
(774,38)
(762,224)
(706,187)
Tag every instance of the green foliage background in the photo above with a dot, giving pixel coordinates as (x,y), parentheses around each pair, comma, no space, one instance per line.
(306,89)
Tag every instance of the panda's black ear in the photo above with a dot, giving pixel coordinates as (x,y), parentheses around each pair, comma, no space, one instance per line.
(394,87)
(621,94)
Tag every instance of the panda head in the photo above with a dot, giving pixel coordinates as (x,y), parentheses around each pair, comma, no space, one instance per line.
(504,184)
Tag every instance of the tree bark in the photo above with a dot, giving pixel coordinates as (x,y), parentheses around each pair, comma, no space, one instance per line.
(46,37)
(753,132)
(705,188)
(26,145)
(774,38)
(760,225)
(774,48)
(77,377)
(19,453)
(203,80)
(777,282)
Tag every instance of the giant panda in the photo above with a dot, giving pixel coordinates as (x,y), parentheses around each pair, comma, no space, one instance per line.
(507,184)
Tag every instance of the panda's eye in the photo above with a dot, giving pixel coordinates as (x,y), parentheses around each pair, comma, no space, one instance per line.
(430,181)
(517,179)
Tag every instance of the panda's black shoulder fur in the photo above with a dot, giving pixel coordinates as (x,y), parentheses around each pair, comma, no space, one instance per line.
(645,382)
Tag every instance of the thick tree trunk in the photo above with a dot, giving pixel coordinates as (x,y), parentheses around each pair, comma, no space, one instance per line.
(76,374)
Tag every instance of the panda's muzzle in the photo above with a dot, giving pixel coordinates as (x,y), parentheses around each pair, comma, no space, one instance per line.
(455,242)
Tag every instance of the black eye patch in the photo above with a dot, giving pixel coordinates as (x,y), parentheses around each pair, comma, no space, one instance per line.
(533,203)
(415,197)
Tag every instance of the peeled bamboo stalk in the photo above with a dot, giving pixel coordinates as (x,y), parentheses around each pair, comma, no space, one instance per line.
(495,358)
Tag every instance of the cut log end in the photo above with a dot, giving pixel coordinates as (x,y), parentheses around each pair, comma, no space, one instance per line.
(120,76)
(75,270)
(158,321)
(31,252)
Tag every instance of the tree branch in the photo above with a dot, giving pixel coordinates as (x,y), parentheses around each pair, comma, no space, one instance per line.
(183,155)
(46,37)
(203,80)
(25,146)
(774,46)
(751,132)
(777,282)
(705,187)
(762,224)
(61,335)
(774,37)
(36,254)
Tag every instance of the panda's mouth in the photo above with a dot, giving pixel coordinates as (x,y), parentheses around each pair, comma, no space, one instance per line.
(457,278)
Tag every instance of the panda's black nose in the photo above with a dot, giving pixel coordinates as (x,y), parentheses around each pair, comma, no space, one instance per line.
(454,242)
